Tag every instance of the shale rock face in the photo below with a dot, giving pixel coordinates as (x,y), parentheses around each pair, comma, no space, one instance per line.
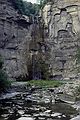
(54,39)
(14,39)
(62,24)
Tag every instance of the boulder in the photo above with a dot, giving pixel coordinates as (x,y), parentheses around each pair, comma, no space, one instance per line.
(25,118)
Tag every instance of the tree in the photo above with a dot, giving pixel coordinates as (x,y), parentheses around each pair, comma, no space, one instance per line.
(26,8)
(4,83)
(19,5)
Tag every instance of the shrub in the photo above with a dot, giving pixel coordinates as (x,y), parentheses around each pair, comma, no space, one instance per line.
(4,82)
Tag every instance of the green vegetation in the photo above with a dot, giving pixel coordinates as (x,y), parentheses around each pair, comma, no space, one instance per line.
(19,5)
(78,59)
(78,55)
(4,82)
(26,8)
(31,9)
(45,83)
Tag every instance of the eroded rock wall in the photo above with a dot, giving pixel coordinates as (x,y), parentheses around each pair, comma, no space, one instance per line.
(62,24)
(54,38)
(14,39)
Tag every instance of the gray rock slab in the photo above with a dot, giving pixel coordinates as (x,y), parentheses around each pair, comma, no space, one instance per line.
(25,118)
(76,118)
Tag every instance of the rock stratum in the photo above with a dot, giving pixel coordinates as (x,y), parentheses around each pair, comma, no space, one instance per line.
(62,24)
(14,39)
(53,38)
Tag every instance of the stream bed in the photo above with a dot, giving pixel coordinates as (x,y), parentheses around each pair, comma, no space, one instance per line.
(36,104)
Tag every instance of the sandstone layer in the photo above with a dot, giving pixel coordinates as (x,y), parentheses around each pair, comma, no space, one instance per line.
(62,24)
(51,39)
(14,39)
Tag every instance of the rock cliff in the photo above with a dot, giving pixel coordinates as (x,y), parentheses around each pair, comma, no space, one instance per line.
(46,46)
(62,25)
(14,39)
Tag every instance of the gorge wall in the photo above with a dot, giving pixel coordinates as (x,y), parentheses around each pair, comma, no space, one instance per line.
(53,39)
(14,39)
(62,24)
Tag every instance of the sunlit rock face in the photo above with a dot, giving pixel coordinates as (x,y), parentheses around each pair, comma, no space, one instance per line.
(46,13)
(61,14)
(62,18)
(14,39)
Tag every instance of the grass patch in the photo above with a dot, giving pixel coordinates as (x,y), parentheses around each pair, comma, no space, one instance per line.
(45,83)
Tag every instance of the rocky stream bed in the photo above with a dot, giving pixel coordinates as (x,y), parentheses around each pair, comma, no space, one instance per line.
(32,103)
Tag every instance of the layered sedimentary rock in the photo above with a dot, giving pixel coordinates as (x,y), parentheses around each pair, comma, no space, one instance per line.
(14,39)
(52,40)
(62,24)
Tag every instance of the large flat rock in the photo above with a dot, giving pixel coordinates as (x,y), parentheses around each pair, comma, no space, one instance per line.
(9,95)
(25,118)
(76,118)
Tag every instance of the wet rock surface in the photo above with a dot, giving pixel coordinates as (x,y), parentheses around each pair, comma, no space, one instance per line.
(39,104)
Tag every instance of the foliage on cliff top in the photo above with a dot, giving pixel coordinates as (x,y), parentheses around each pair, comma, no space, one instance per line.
(26,8)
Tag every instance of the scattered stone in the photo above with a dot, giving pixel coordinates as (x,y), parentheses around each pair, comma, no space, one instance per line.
(36,115)
(19,109)
(25,118)
(21,112)
(56,114)
(26,115)
(59,116)
(5,115)
(41,118)
(48,111)
(44,114)
(64,116)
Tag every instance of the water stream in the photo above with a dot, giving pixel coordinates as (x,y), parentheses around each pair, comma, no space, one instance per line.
(36,105)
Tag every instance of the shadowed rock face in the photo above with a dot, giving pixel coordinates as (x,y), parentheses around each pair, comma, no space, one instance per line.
(14,39)
(55,42)
(62,21)
(19,39)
